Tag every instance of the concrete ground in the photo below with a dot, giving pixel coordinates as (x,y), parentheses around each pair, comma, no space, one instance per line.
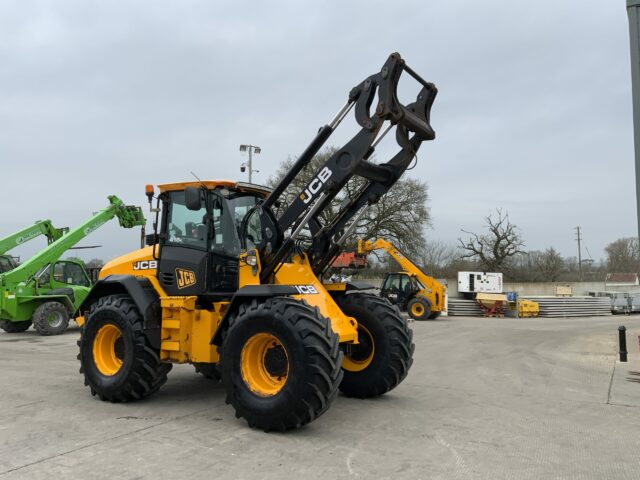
(485,399)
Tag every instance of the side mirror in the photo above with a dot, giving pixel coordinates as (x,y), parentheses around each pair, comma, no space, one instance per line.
(192,198)
(151,239)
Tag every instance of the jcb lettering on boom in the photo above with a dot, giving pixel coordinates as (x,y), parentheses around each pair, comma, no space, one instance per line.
(315,185)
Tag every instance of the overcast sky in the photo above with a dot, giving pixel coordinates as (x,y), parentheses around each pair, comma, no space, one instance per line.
(533,113)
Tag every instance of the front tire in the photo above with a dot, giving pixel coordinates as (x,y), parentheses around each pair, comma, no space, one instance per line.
(118,363)
(51,318)
(419,308)
(15,327)
(208,371)
(280,363)
(385,353)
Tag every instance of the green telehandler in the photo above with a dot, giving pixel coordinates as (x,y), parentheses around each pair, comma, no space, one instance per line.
(41,227)
(46,291)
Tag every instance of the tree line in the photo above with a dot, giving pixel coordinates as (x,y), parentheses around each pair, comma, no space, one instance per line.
(402,216)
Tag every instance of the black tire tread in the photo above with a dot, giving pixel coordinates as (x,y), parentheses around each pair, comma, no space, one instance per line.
(208,371)
(321,345)
(148,372)
(425,303)
(391,373)
(15,327)
(40,322)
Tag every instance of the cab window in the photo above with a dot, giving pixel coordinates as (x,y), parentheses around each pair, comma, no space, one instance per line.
(70,273)
(393,283)
(6,264)
(227,220)
(185,227)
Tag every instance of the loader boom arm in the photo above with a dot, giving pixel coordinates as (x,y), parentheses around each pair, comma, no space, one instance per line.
(41,227)
(412,127)
(128,217)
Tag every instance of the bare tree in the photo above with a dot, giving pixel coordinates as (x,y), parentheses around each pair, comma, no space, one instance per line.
(436,256)
(497,246)
(550,264)
(400,216)
(623,256)
(95,263)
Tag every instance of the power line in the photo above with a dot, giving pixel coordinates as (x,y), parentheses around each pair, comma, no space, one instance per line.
(578,238)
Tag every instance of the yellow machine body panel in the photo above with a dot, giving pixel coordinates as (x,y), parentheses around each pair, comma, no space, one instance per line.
(186,331)
(211,184)
(139,263)
(299,273)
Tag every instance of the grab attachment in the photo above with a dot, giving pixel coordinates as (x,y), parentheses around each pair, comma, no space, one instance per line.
(411,118)
(412,123)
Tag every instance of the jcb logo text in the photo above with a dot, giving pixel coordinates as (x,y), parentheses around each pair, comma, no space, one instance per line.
(145,265)
(185,278)
(306,289)
(315,185)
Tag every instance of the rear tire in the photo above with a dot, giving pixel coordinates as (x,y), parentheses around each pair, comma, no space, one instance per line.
(51,318)
(118,363)
(385,354)
(280,363)
(419,308)
(15,327)
(208,370)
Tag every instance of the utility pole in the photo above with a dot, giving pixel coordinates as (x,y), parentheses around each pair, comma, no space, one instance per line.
(251,149)
(579,252)
(633,12)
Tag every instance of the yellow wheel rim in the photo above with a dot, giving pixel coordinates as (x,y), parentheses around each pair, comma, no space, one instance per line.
(264,364)
(358,357)
(417,309)
(107,360)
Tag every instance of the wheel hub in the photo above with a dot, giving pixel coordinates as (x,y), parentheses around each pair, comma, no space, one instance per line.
(264,364)
(55,319)
(108,350)
(359,356)
(275,361)
(363,349)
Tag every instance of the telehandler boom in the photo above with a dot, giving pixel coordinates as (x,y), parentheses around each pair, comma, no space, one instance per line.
(45,290)
(41,227)
(421,295)
(227,286)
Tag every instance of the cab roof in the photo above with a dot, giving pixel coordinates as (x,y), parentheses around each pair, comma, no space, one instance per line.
(211,184)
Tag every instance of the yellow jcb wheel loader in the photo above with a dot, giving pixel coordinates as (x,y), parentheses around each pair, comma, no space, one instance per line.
(226,285)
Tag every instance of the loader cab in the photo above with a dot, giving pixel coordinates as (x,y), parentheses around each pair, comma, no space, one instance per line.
(399,288)
(199,240)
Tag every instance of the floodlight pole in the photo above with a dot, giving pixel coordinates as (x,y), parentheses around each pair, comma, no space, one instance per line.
(633,12)
(251,149)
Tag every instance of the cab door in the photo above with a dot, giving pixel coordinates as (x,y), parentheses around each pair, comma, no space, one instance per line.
(182,268)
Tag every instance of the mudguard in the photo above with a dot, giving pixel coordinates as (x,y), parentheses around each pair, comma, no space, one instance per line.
(247,293)
(141,292)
